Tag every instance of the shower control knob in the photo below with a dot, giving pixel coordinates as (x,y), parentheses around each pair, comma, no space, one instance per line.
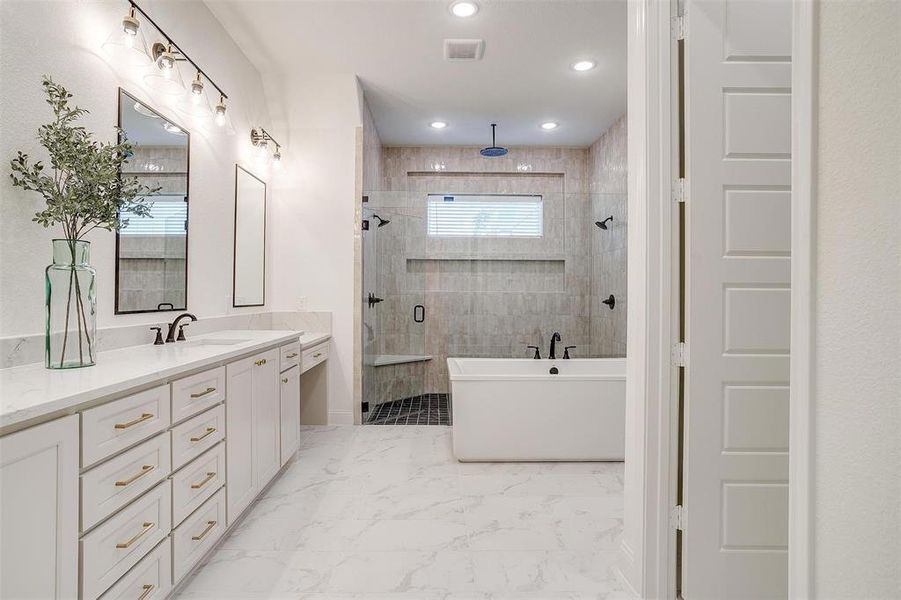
(373,300)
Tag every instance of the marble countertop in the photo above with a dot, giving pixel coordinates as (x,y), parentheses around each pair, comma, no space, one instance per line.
(32,392)
(308,340)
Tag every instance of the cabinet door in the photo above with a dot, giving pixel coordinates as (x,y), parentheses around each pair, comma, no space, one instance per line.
(266,422)
(289,396)
(39,511)
(239,470)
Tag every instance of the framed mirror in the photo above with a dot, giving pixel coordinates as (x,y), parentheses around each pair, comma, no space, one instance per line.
(250,239)
(152,250)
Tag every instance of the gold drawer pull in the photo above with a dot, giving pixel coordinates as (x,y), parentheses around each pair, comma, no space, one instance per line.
(209,390)
(209,430)
(147,589)
(209,525)
(317,355)
(147,527)
(133,422)
(260,362)
(292,355)
(144,470)
(206,480)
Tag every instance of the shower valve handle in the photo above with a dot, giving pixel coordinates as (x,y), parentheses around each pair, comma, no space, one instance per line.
(373,300)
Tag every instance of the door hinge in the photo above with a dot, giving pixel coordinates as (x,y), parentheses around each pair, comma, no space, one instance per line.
(679,27)
(679,190)
(677,518)
(365,224)
(679,354)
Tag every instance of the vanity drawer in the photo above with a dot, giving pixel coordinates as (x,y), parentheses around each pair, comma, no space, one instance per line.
(110,486)
(116,425)
(150,579)
(193,438)
(199,532)
(290,355)
(197,393)
(197,481)
(109,551)
(313,356)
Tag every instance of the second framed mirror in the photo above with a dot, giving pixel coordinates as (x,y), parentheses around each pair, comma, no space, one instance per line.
(250,239)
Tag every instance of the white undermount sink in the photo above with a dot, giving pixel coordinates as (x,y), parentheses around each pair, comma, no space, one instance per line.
(215,342)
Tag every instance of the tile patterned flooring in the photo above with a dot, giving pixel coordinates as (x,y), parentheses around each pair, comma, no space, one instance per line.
(425,409)
(386,513)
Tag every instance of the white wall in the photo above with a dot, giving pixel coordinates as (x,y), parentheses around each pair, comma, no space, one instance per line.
(63,39)
(313,223)
(857,363)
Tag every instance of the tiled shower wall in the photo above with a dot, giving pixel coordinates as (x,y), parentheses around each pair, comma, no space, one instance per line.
(493,297)
(607,187)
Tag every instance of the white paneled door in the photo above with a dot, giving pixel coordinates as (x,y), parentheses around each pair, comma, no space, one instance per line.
(738,169)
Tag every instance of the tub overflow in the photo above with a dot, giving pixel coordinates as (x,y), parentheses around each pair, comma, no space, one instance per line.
(554,370)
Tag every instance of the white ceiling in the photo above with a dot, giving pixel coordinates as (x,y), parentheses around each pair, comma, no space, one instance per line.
(396,50)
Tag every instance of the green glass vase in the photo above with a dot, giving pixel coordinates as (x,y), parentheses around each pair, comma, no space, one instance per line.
(71,299)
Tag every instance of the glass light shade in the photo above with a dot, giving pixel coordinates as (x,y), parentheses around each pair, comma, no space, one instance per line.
(126,51)
(164,80)
(223,122)
(194,105)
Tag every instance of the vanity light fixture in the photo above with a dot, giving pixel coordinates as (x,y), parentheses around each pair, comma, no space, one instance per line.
(127,45)
(583,65)
(260,139)
(464,8)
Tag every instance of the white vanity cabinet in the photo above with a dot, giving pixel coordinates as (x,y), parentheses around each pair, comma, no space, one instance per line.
(123,498)
(39,511)
(289,397)
(254,428)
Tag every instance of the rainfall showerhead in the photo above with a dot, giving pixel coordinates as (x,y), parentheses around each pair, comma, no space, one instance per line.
(603,224)
(493,150)
(382,222)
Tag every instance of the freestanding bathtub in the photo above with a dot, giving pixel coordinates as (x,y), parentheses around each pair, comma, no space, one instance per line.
(517,410)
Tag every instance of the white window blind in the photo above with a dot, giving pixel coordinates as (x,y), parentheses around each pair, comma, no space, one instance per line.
(168,216)
(485,215)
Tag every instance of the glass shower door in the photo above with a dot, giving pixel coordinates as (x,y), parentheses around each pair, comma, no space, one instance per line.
(394,314)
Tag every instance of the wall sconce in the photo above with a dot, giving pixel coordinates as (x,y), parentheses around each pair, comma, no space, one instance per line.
(127,46)
(260,139)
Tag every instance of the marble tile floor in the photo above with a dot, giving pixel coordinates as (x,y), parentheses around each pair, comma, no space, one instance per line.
(387,513)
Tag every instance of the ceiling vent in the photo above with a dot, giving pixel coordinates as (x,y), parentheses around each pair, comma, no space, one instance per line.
(463,49)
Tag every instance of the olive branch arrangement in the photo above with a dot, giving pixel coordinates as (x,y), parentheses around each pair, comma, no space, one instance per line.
(84,189)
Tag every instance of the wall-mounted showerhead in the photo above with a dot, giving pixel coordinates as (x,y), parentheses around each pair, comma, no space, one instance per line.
(382,222)
(493,150)
(603,224)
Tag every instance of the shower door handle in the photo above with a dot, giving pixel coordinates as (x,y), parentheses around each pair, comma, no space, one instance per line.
(373,300)
(418,313)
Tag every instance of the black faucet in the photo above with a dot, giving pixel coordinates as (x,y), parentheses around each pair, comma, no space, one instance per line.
(554,339)
(170,337)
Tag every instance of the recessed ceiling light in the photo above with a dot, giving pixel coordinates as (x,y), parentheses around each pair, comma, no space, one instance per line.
(464,8)
(549,126)
(438,124)
(584,65)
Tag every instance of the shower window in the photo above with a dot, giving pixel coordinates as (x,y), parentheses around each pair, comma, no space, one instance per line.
(485,215)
